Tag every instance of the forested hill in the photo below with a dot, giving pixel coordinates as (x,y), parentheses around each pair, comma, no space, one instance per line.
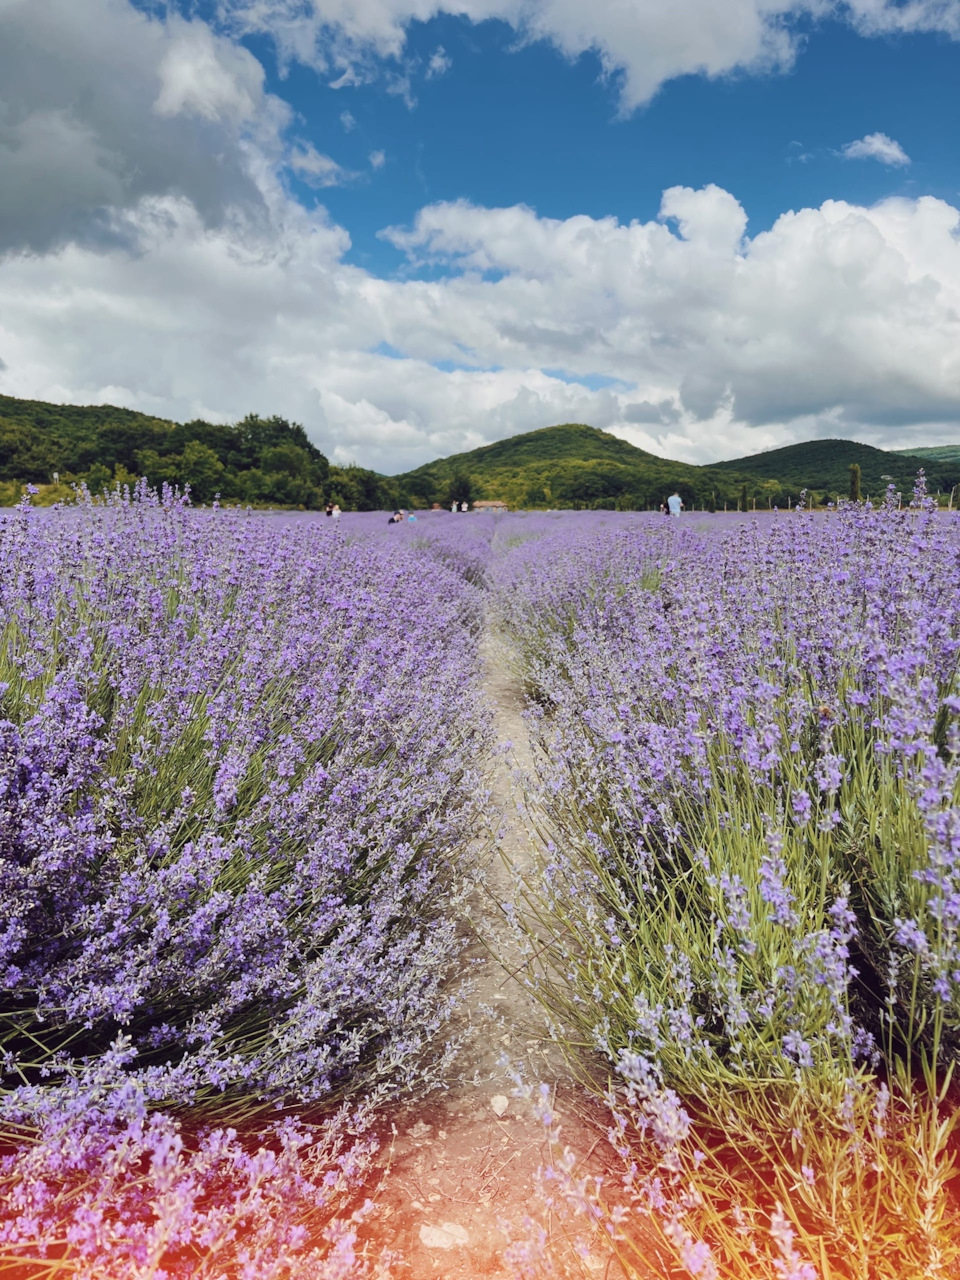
(263,461)
(577,465)
(938,452)
(824,465)
(271,462)
(562,466)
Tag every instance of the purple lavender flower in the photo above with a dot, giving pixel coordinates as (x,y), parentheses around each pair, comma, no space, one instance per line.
(239,777)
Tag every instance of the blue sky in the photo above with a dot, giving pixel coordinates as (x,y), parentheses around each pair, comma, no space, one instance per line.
(417,226)
(507,125)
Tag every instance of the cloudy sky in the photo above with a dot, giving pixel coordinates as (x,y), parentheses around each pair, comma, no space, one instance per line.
(416,226)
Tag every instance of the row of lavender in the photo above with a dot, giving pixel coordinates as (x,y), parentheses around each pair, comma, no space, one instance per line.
(240,771)
(750,781)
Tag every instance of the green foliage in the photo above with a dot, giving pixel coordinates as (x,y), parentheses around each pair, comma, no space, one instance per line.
(460,489)
(854,1156)
(574,465)
(25,454)
(202,470)
(937,453)
(769,1132)
(571,465)
(271,462)
(262,461)
(100,477)
(854,482)
(357,489)
(825,464)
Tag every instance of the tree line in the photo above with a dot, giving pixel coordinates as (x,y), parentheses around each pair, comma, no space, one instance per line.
(263,461)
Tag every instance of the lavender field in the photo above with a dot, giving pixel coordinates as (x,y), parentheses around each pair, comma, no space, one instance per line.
(247,809)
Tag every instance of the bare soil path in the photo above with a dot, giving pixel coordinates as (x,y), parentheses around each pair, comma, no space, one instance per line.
(461,1167)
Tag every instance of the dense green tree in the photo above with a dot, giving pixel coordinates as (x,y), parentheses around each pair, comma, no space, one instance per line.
(120,442)
(158,471)
(256,435)
(590,486)
(854,482)
(25,453)
(291,460)
(460,489)
(98,478)
(202,470)
(357,489)
(99,442)
(418,490)
(223,438)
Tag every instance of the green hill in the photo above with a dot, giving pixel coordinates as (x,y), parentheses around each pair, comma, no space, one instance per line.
(824,466)
(936,453)
(567,465)
(263,461)
(574,465)
(269,461)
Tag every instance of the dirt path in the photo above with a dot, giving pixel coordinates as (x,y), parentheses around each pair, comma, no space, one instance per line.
(463,1165)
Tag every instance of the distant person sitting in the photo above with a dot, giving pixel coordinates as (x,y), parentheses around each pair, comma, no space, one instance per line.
(675,503)
(396,518)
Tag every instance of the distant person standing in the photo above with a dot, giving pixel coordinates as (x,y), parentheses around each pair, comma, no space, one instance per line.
(464,506)
(663,509)
(453,507)
(675,504)
(336,512)
(329,508)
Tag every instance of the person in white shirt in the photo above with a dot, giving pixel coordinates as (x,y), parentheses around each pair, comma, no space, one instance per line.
(675,504)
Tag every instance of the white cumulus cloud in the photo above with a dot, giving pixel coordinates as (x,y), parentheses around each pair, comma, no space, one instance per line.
(317,169)
(876,146)
(202,75)
(101,107)
(882,17)
(151,255)
(644,43)
(439,64)
(680,333)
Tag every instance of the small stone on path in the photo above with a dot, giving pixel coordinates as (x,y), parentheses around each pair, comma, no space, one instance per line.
(499,1103)
(447,1236)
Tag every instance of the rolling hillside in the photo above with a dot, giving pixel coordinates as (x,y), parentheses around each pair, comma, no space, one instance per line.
(567,465)
(269,461)
(938,453)
(577,465)
(824,465)
(262,461)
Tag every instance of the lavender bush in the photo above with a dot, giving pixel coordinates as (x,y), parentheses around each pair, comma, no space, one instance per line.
(748,758)
(240,772)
